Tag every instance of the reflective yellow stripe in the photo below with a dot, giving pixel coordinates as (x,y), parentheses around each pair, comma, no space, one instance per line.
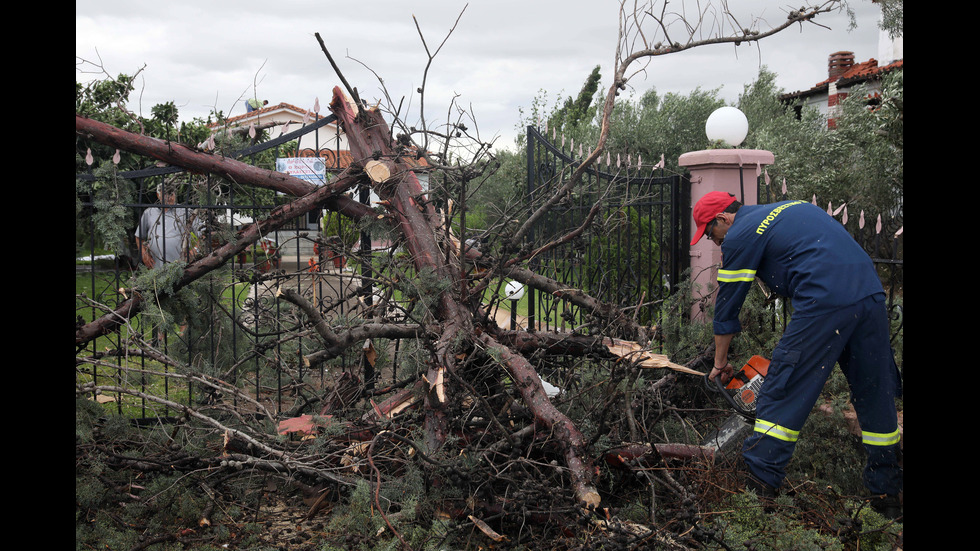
(776,431)
(880,438)
(736,275)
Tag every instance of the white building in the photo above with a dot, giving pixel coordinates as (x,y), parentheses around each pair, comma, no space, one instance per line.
(282,118)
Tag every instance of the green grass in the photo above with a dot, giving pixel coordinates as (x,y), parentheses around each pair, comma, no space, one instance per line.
(135,372)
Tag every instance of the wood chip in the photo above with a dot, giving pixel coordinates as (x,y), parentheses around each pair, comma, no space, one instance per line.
(489,532)
(633,352)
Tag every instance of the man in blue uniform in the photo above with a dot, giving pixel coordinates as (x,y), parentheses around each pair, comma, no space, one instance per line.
(839,317)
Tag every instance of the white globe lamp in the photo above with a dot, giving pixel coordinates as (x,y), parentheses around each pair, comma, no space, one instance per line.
(727,125)
(514,291)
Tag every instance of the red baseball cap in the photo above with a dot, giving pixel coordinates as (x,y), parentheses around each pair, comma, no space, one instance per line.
(707,208)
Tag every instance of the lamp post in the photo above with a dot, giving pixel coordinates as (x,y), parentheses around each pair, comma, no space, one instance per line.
(727,125)
(515,292)
(720,169)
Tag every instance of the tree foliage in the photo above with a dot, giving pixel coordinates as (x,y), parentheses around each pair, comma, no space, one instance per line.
(580,110)
(860,162)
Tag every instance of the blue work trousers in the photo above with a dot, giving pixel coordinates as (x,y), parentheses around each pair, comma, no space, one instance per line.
(856,337)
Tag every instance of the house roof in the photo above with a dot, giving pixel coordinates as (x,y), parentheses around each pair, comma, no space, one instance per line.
(332,158)
(268,109)
(855,74)
(860,72)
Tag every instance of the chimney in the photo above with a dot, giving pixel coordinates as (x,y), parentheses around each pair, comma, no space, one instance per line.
(839,63)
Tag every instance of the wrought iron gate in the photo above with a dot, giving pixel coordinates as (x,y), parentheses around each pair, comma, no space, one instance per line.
(632,254)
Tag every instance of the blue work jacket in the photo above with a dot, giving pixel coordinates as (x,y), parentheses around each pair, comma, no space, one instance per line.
(798,251)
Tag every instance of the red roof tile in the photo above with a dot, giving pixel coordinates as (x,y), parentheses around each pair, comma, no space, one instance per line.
(858,72)
(266,109)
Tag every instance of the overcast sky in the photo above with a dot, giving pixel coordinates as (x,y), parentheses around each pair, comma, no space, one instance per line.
(207,54)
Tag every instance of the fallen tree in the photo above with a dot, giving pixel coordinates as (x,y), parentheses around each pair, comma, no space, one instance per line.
(453,322)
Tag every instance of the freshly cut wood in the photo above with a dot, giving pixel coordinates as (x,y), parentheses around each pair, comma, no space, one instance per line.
(377,171)
(397,403)
(304,424)
(633,352)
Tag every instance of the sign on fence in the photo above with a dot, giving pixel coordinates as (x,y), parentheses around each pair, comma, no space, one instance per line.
(311,169)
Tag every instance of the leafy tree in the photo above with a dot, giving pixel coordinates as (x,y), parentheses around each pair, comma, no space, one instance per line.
(582,109)
(892,16)
(667,125)
(859,162)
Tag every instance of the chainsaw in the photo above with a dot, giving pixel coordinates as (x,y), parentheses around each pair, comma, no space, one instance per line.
(741,393)
(743,389)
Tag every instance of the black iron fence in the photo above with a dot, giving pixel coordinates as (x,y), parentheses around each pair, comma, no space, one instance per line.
(632,252)
(636,253)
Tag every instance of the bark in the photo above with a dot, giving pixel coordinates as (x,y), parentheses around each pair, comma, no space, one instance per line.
(198,161)
(181,155)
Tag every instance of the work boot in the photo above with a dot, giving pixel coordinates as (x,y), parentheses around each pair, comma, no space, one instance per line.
(761,489)
(888,506)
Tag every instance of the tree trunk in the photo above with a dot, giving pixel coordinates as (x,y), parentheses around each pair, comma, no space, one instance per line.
(370,140)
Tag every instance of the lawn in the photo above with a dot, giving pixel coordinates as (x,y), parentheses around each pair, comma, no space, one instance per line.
(140,375)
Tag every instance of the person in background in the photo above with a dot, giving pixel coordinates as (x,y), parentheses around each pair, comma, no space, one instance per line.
(254,103)
(165,233)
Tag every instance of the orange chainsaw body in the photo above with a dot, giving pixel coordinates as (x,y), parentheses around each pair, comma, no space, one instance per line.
(744,386)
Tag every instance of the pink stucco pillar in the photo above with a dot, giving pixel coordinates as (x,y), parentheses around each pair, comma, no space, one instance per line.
(735,171)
